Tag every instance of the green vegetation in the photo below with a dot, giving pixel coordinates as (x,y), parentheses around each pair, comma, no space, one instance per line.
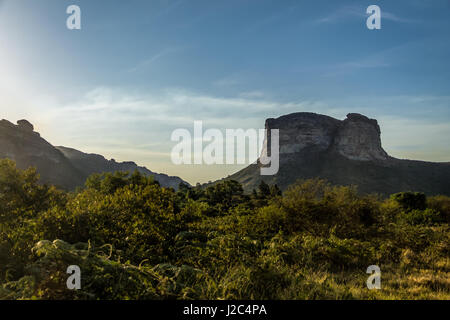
(135,240)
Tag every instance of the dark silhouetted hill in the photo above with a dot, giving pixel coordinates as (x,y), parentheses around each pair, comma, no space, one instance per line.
(64,167)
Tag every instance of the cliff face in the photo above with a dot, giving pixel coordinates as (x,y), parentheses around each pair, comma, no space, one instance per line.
(299,131)
(345,152)
(64,167)
(356,138)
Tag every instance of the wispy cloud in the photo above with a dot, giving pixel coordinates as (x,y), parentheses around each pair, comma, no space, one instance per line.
(393,17)
(349,12)
(393,56)
(278,16)
(228,81)
(152,59)
(351,66)
(255,94)
(115,113)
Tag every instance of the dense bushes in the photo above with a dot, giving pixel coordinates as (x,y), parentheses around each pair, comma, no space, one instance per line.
(135,240)
(440,204)
(410,200)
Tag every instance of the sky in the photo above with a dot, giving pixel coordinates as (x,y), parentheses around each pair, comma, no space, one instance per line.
(139,69)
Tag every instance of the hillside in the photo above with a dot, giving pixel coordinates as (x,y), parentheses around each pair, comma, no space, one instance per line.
(61,166)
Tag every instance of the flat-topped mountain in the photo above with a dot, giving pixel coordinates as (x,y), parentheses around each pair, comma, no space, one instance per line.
(345,152)
(64,167)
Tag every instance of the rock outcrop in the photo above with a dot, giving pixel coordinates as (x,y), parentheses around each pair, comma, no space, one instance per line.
(25,125)
(345,152)
(64,167)
(356,138)
(300,131)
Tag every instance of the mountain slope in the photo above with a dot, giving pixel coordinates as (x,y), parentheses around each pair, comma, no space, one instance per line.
(347,152)
(64,167)
(94,163)
(21,144)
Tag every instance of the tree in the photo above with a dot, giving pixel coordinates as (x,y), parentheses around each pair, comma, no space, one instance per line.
(410,200)
(263,190)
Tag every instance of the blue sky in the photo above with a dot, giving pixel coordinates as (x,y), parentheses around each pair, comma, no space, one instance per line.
(139,69)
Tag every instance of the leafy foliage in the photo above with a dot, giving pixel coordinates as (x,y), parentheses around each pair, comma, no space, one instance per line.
(136,240)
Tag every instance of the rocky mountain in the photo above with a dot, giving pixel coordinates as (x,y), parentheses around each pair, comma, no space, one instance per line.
(345,152)
(64,167)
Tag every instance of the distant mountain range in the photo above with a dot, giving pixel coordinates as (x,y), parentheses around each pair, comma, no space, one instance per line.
(344,152)
(64,167)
